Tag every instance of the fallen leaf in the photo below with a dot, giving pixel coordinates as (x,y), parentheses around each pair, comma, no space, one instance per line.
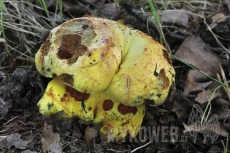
(179,17)
(90,133)
(110,9)
(195,82)
(15,140)
(205,96)
(219,17)
(195,52)
(50,140)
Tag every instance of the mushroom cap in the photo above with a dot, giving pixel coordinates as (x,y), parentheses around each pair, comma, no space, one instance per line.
(117,119)
(83,52)
(146,72)
(94,54)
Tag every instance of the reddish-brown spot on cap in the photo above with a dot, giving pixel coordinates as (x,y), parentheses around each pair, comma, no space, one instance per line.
(67,78)
(79,96)
(69,45)
(164,79)
(107,105)
(62,99)
(45,47)
(90,108)
(132,109)
(123,109)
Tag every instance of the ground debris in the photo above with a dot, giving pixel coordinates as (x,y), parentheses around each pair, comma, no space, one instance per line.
(50,140)
(15,140)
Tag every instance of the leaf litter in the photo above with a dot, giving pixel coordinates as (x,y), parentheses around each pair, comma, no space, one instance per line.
(50,140)
(194,51)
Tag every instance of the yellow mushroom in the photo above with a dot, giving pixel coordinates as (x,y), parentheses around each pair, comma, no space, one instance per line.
(93,54)
(103,72)
(117,119)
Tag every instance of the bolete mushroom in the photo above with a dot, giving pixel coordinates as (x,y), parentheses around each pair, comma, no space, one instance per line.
(103,59)
(98,107)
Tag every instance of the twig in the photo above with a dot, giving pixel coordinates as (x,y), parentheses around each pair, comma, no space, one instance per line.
(140,147)
(9,121)
(28,59)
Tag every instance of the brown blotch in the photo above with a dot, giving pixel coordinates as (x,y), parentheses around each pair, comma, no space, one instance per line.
(67,78)
(90,108)
(164,79)
(71,47)
(78,96)
(62,99)
(107,105)
(45,47)
(80,51)
(69,44)
(50,93)
(132,109)
(167,56)
(123,109)
(85,26)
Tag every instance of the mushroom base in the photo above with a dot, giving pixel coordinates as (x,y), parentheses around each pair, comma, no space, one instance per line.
(117,119)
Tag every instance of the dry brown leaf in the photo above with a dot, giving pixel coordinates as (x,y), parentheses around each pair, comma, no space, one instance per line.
(110,9)
(179,17)
(195,52)
(90,133)
(193,82)
(205,96)
(219,17)
(15,140)
(50,140)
